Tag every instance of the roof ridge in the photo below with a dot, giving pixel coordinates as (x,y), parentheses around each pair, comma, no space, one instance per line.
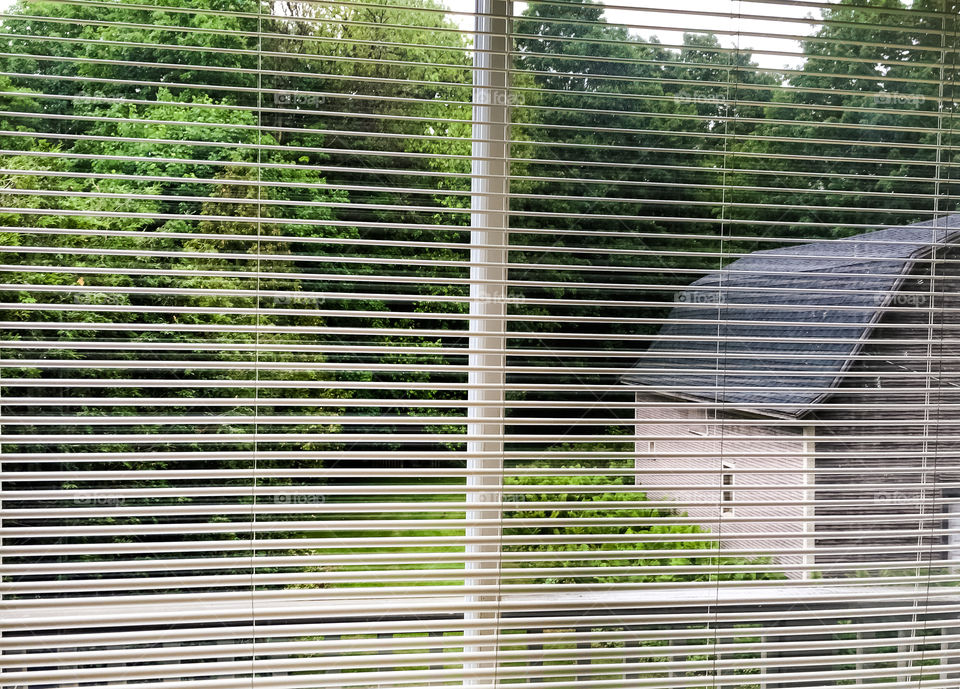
(953,223)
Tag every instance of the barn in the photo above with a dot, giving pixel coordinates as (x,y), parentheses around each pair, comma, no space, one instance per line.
(794,402)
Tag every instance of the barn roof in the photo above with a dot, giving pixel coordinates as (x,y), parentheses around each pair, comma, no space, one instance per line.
(755,335)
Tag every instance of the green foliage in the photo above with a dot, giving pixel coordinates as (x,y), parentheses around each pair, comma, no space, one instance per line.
(610,505)
(192,198)
(858,124)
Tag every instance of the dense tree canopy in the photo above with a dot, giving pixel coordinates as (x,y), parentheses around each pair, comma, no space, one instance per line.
(203,165)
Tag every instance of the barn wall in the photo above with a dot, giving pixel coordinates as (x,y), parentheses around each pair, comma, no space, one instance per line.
(698,494)
(892,372)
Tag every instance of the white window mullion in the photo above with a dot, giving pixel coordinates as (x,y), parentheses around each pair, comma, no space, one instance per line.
(487,325)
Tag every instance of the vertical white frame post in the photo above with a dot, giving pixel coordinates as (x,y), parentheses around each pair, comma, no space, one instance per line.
(808,459)
(487,345)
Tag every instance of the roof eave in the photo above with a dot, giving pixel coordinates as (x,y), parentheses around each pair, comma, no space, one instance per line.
(756,411)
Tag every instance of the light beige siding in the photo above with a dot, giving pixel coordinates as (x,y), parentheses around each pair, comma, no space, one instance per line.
(710,447)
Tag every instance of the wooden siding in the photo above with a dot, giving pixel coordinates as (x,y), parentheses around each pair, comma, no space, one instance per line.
(932,460)
(778,524)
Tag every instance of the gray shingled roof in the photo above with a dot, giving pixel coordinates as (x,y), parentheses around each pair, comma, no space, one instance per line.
(752,297)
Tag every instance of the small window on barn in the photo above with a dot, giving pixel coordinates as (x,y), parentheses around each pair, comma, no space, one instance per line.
(726,495)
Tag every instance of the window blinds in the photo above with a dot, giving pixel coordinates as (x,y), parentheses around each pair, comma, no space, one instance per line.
(381,344)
